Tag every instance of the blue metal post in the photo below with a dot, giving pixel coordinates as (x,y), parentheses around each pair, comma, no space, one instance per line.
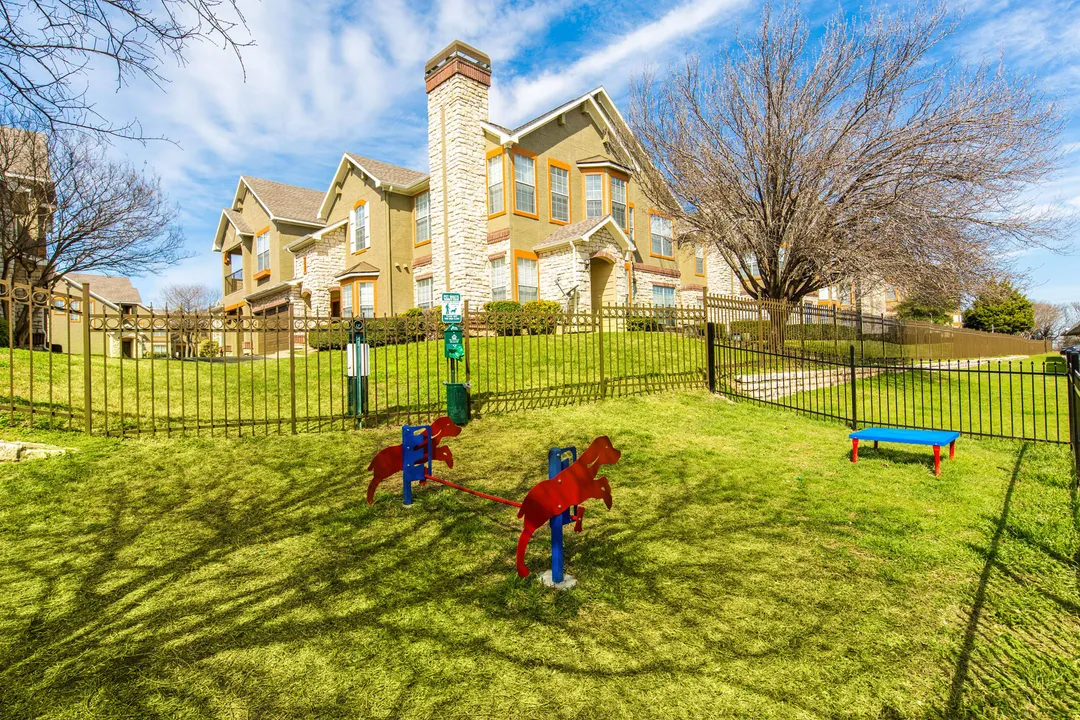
(415,457)
(556,464)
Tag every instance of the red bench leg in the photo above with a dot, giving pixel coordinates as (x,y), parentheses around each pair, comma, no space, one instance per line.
(937,460)
(952,450)
(854,450)
(875,444)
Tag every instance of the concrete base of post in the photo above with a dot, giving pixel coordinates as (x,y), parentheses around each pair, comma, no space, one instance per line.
(567,583)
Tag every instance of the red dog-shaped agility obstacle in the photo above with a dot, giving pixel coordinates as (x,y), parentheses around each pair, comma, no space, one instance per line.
(556,501)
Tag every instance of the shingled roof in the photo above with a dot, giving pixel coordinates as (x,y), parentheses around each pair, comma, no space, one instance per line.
(286,202)
(238,222)
(113,289)
(387,173)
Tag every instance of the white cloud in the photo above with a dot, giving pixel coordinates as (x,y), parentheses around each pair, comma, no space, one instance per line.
(519,99)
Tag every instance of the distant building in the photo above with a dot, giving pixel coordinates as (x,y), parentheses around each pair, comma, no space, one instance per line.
(116,298)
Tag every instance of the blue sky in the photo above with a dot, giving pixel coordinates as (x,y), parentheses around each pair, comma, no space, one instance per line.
(325,77)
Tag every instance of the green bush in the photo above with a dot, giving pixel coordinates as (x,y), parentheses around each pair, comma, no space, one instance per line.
(749,330)
(208,349)
(332,339)
(642,323)
(541,317)
(504,316)
(3,332)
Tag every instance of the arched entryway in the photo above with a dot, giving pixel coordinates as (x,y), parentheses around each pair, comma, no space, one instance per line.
(603,284)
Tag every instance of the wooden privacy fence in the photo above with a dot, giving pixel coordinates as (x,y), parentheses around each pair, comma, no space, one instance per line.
(145,371)
(801,328)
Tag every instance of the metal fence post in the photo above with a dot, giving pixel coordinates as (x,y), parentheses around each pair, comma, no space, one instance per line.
(710,354)
(88,422)
(1073,388)
(854,395)
(292,372)
(599,316)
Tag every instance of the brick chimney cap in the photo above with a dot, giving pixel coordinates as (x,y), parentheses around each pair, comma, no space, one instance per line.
(457,49)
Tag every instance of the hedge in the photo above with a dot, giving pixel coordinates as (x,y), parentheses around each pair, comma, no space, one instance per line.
(750,330)
(504,316)
(542,317)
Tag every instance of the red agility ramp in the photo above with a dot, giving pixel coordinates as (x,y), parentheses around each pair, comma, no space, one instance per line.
(557,501)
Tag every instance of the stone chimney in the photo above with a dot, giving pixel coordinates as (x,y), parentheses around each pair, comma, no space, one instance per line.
(457,80)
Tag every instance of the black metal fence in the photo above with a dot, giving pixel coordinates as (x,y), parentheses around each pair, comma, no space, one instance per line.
(1074,410)
(1019,399)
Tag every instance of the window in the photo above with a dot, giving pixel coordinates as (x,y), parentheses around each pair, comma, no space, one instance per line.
(890,293)
(423,292)
(365,298)
(661,236)
(499,279)
(755,269)
(262,251)
(630,222)
(594,195)
(663,296)
(524,184)
(699,260)
(359,228)
(59,304)
(495,183)
(618,200)
(527,279)
(76,310)
(560,192)
(423,218)
(346,301)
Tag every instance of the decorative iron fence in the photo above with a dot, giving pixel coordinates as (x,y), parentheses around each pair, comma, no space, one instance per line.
(1019,399)
(1074,411)
(192,373)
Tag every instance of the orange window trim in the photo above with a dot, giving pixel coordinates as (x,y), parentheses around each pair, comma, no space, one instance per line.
(651,253)
(629,283)
(355,284)
(530,255)
(358,203)
(261,274)
(264,230)
(305,264)
(605,192)
(569,195)
(536,184)
(428,241)
(487,180)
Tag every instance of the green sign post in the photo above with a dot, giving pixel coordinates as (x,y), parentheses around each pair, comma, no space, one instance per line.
(457,396)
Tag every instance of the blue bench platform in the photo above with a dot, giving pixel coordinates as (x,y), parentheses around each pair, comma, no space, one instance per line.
(936,438)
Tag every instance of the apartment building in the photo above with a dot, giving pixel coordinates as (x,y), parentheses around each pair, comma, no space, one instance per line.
(548,210)
(123,335)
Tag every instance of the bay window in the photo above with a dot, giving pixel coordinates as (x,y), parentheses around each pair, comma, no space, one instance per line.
(495,183)
(524,184)
(594,195)
(346,301)
(365,298)
(560,192)
(618,201)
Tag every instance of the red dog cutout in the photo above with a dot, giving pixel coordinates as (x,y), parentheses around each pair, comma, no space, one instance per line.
(572,486)
(387,462)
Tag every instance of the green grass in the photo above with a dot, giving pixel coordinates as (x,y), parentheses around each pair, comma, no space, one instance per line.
(747,569)
(406,382)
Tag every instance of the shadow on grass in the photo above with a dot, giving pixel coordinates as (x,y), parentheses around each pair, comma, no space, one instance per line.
(1021,631)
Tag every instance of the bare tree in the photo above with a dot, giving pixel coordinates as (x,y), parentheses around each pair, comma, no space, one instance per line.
(1050,321)
(188,297)
(49,47)
(65,206)
(860,157)
(183,302)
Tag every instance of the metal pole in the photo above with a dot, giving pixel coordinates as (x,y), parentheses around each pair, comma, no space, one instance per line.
(854,414)
(557,464)
(87,397)
(292,370)
(710,354)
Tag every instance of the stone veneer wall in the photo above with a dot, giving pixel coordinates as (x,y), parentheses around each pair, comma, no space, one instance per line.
(325,259)
(564,268)
(719,278)
(456,107)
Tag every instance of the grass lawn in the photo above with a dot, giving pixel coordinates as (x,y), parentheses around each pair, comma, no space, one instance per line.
(406,382)
(746,569)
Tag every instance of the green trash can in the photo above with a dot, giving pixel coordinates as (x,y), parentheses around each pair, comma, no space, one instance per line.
(457,402)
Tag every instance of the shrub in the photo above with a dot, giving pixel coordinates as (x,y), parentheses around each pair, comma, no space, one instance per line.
(3,332)
(332,339)
(749,330)
(642,323)
(208,349)
(504,316)
(541,317)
